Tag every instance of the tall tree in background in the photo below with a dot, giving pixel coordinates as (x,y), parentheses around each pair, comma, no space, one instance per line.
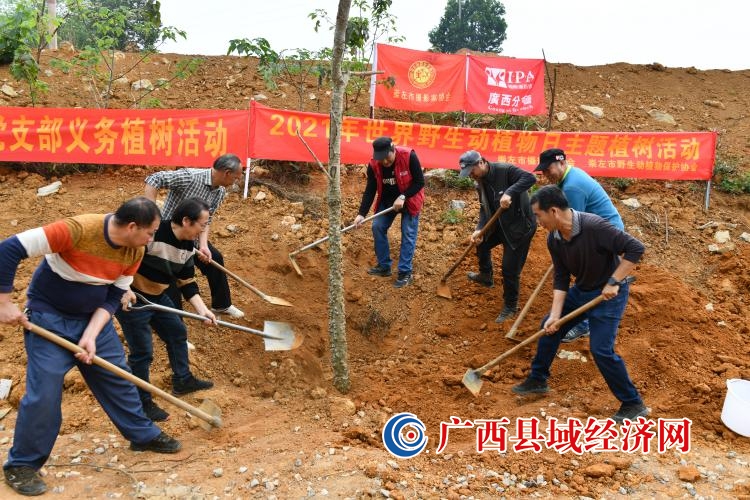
(141,32)
(480,26)
(336,309)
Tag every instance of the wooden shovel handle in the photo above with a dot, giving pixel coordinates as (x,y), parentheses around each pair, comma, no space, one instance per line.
(243,282)
(482,232)
(585,307)
(512,332)
(66,344)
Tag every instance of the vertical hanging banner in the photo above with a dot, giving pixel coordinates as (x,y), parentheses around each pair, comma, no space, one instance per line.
(505,85)
(418,80)
(176,137)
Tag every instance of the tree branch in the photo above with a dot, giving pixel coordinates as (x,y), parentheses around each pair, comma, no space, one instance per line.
(313,155)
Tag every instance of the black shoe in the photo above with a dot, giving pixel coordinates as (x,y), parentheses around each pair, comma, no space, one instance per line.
(190,385)
(160,444)
(379,271)
(403,280)
(531,386)
(630,411)
(25,481)
(153,412)
(484,279)
(506,313)
(577,332)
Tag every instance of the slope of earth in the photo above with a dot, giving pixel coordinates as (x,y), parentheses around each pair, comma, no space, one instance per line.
(288,434)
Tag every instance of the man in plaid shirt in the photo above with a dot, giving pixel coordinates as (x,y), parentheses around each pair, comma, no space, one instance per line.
(209,185)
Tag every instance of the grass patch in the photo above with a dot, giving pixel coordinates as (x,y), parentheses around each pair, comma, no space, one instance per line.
(728,178)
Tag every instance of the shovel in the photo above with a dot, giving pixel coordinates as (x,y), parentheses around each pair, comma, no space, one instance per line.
(512,332)
(268,298)
(473,378)
(323,240)
(443,290)
(277,336)
(209,413)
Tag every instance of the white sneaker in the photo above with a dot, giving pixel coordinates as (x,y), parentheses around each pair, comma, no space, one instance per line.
(232,311)
(190,346)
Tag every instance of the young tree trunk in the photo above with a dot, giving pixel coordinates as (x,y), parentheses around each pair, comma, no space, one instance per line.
(336,308)
(52,13)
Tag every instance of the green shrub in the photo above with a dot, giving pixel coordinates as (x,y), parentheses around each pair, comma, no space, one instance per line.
(453,216)
(622,183)
(454,181)
(728,178)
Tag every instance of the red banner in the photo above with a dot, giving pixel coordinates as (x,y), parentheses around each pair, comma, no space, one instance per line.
(424,81)
(505,85)
(192,138)
(655,155)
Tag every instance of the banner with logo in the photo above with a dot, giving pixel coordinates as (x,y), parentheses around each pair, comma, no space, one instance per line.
(419,81)
(505,85)
(644,155)
(176,137)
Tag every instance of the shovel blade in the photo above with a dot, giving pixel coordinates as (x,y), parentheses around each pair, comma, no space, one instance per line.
(443,290)
(472,381)
(277,301)
(284,338)
(213,410)
(295,266)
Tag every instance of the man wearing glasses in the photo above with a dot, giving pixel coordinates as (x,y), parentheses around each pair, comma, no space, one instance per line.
(169,257)
(210,186)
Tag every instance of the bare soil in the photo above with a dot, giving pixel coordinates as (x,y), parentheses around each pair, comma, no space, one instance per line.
(288,433)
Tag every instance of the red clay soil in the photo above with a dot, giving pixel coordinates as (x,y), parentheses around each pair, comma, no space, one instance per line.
(288,433)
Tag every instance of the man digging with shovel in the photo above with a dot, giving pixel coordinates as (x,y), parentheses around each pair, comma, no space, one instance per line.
(501,186)
(588,247)
(210,185)
(169,257)
(394,179)
(89,262)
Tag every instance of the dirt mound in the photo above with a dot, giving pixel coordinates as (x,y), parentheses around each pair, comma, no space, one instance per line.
(288,433)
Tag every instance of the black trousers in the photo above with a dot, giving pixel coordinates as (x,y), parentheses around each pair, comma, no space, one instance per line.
(221,297)
(513,262)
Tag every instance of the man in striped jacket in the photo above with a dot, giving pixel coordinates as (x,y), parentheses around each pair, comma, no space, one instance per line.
(169,257)
(89,264)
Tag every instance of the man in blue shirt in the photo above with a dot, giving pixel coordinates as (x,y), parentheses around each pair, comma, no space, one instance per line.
(584,194)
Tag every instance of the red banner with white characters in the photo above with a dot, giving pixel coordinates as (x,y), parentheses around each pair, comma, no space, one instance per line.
(655,155)
(505,85)
(420,81)
(186,137)
(430,81)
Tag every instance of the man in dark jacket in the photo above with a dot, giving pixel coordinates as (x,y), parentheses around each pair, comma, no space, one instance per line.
(501,186)
(588,247)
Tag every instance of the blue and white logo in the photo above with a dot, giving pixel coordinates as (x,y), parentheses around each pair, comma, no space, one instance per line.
(404,435)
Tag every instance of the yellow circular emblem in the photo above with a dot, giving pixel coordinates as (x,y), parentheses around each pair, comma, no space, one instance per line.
(421,74)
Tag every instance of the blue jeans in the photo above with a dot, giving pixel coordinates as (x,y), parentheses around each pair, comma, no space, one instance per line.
(137,325)
(40,415)
(603,322)
(409,228)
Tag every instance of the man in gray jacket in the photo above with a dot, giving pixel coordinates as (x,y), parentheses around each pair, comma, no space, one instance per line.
(501,185)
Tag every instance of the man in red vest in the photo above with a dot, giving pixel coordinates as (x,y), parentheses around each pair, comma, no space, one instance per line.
(394,179)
